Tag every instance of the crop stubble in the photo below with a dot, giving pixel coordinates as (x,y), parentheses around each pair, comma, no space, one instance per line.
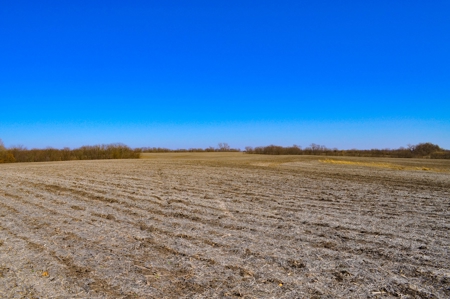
(222,226)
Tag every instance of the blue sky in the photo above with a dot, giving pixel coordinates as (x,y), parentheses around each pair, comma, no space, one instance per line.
(180,74)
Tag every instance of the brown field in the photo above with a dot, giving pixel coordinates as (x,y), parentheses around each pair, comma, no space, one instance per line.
(225,225)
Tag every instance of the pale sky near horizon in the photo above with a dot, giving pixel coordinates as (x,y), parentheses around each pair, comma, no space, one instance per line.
(182,74)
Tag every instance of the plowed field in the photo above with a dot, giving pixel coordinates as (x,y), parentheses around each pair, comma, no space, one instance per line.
(225,226)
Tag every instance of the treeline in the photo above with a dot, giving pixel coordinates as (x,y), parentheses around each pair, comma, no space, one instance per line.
(96,152)
(109,151)
(222,147)
(421,150)
(121,151)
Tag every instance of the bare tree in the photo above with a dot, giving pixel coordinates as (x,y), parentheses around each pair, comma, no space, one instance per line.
(314,147)
(224,147)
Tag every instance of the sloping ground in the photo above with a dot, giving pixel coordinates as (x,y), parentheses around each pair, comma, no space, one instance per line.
(222,227)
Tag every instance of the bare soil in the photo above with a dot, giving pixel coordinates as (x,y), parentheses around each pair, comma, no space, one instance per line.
(225,225)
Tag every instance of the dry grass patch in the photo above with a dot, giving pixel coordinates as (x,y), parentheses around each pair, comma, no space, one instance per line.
(380,165)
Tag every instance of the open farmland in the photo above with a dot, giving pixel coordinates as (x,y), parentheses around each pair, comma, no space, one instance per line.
(225,225)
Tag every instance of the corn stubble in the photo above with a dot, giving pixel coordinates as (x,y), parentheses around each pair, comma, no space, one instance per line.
(232,226)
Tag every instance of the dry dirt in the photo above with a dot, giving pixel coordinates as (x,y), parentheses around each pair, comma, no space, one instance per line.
(225,226)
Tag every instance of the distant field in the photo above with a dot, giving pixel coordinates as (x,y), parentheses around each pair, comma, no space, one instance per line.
(226,225)
(439,165)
